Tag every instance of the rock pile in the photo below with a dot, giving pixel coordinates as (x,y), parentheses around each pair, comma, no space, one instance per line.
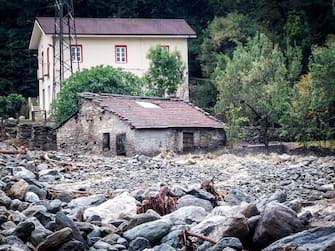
(66,202)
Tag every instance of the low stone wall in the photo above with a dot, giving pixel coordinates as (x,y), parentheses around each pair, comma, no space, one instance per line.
(32,136)
(252,135)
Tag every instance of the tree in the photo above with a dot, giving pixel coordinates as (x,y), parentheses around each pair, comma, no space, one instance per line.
(255,82)
(221,37)
(166,72)
(312,112)
(11,105)
(97,79)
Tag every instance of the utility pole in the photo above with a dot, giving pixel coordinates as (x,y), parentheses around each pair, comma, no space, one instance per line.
(64,36)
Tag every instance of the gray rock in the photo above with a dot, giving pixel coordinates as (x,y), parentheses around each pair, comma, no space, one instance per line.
(315,239)
(173,238)
(31,197)
(139,244)
(102,245)
(54,206)
(295,205)
(235,197)
(164,247)
(277,222)
(88,201)
(187,214)
(230,242)
(42,194)
(278,196)
(305,217)
(4,199)
(64,196)
(18,190)
(16,244)
(63,221)
(56,239)
(24,229)
(153,231)
(72,246)
(202,194)
(215,227)
(190,200)
(22,173)
(140,219)
(250,210)
(39,233)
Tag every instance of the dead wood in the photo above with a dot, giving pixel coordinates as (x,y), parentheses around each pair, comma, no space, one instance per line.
(208,185)
(53,193)
(189,244)
(163,203)
(17,151)
(68,166)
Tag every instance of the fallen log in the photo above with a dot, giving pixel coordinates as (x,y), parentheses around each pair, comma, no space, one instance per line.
(16,151)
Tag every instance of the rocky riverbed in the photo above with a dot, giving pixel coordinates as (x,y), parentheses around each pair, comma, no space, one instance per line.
(57,201)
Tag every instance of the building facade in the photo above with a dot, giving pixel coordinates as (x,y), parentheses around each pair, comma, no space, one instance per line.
(125,125)
(120,42)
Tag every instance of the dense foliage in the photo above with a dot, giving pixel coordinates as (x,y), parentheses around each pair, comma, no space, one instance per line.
(11,105)
(166,72)
(253,84)
(97,79)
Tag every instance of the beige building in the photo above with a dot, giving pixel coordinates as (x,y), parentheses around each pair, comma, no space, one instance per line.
(119,42)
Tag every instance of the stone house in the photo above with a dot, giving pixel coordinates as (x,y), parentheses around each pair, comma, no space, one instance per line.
(120,42)
(126,125)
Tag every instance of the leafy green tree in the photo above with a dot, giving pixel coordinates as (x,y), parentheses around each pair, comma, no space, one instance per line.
(11,105)
(254,84)
(166,72)
(97,79)
(312,111)
(221,37)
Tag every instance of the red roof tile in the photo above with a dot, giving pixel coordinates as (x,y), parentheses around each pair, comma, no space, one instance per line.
(169,113)
(123,26)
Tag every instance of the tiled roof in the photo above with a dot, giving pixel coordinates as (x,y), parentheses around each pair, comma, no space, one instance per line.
(123,26)
(141,113)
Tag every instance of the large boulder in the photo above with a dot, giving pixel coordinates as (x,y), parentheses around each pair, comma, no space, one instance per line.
(152,231)
(277,221)
(190,200)
(18,190)
(216,227)
(118,207)
(89,201)
(188,215)
(315,239)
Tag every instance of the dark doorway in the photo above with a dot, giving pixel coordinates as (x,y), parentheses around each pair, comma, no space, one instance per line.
(120,144)
(188,141)
(106,142)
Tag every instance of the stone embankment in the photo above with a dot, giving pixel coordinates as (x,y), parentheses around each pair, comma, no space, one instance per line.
(64,202)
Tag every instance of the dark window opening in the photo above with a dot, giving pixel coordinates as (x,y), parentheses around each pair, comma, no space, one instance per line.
(120,144)
(106,142)
(188,141)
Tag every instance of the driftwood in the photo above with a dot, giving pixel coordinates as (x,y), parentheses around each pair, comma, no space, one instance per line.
(163,203)
(16,151)
(208,185)
(53,193)
(189,244)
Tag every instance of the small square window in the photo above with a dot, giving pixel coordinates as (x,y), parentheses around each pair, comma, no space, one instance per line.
(77,53)
(165,47)
(121,54)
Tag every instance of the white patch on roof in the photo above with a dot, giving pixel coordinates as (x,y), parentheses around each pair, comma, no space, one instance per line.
(147,105)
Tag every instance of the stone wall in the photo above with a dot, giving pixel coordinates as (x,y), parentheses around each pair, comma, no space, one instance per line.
(32,136)
(252,135)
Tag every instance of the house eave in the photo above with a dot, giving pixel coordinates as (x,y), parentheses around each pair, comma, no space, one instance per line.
(35,36)
(131,36)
